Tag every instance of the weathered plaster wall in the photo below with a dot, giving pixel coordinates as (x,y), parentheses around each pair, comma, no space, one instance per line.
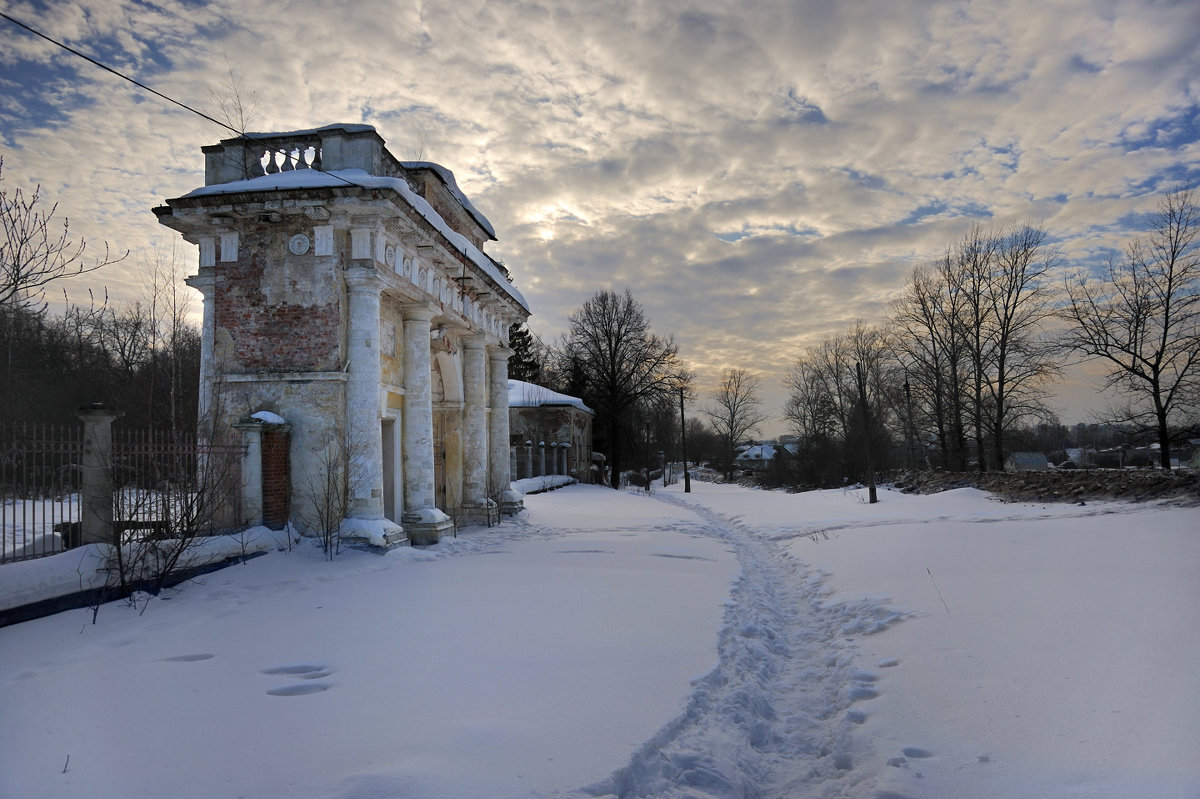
(276,310)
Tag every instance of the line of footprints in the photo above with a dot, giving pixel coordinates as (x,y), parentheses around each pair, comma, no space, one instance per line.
(307,673)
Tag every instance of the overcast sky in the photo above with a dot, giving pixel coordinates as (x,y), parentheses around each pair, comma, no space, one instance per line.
(760,174)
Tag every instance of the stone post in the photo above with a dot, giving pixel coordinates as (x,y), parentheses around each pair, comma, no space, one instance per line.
(565,448)
(541,459)
(554,458)
(364,517)
(422,520)
(96,489)
(475,451)
(252,493)
(529,458)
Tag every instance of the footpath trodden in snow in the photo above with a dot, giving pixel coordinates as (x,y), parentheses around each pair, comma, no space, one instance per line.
(723,643)
(1044,651)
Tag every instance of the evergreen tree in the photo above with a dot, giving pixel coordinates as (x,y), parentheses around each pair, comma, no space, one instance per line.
(525,363)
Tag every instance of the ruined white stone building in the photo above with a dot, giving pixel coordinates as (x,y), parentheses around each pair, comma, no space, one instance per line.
(348,293)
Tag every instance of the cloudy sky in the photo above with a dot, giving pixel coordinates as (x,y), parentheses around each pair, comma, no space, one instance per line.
(760,174)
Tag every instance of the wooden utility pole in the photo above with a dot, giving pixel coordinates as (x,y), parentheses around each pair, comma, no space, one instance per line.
(687,478)
(866,418)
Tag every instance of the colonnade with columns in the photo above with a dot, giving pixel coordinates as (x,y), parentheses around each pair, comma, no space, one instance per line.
(486,477)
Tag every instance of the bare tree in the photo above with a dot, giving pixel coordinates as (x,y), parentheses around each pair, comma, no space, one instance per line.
(969,276)
(328,489)
(620,362)
(1021,360)
(918,346)
(1142,316)
(825,405)
(735,412)
(236,106)
(34,252)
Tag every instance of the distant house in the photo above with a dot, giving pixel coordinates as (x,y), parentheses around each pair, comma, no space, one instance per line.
(1026,462)
(551,433)
(756,458)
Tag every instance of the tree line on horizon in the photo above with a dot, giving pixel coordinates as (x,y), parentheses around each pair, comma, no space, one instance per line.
(963,362)
(960,370)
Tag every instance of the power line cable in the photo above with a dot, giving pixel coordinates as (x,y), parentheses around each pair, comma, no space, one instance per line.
(155,92)
(120,75)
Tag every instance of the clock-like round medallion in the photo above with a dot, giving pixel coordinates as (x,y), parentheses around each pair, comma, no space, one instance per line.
(390,256)
(298,244)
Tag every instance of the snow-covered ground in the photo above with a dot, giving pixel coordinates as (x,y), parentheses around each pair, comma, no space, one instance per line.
(723,643)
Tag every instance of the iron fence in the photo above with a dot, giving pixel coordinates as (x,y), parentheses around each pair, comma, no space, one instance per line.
(163,484)
(39,489)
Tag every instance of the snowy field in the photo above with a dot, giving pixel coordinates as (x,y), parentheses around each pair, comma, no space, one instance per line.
(724,643)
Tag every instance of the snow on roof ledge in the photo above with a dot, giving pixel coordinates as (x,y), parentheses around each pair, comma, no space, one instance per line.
(314,179)
(447,177)
(531,395)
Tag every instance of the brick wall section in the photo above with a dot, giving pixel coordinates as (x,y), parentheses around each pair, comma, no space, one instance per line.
(275,482)
(278,330)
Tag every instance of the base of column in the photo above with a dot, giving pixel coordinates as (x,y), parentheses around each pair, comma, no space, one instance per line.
(483,512)
(426,525)
(512,502)
(377,535)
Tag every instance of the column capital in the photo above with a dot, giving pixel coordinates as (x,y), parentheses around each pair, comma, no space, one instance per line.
(418,312)
(473,342)
(499,352)
(362,279)
(204,281)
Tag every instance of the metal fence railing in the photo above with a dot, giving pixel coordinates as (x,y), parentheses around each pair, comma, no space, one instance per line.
(39,489)
(161,484)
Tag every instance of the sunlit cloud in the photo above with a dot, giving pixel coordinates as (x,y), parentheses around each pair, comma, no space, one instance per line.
(760,176)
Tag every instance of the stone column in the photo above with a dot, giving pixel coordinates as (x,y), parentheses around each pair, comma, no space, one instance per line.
(554,458)
(528,458)
(475,449)
(364,517)
(422,520)
(205,281)
(362,394)
(96,490)
(500,474)
(565,448)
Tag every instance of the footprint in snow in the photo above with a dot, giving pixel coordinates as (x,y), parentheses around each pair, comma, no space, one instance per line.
(189,658)
(300,690)
(300,671)
(860,692)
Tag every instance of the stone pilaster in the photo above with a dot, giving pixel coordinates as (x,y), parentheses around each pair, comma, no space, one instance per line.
(499,475)
(364,518)
(423,522)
